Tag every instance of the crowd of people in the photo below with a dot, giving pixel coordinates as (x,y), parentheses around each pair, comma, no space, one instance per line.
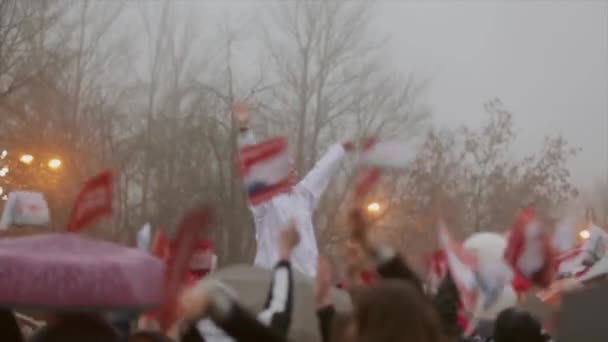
(394,306)
(389,300)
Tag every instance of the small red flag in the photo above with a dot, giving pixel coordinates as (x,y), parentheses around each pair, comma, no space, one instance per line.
(529,250)
(161,245)
(191,225)
(93,202)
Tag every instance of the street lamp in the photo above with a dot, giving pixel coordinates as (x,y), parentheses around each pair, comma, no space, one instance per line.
(584,234)
(54,163)
(26,159)
(373,207)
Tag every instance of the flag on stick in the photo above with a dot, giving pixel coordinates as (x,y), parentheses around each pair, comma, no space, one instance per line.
(529,251)
(462,265)
(191,225)
(93,202)
(386,155)
(265,169)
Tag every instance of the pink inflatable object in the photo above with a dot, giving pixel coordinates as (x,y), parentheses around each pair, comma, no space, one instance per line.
(64,271)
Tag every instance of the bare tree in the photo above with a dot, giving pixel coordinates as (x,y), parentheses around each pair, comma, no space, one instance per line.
(332,81)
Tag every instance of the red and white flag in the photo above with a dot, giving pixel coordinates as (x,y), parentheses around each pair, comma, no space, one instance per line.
(265,169)
(565,235)
(93,202)
(529,251)
(161,246)
(570,264)
(387,155)
(192,224)
(437,269)
(595,246)
(462,265)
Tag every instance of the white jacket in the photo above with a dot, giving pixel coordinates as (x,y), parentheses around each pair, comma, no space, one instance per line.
(298,204)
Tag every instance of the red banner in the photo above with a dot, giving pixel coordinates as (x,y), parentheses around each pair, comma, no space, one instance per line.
(191,225)
(93,202)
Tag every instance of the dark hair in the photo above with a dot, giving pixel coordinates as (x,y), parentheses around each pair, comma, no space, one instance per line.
(148,336)
(516,325)
(393,309)
(446,302)
(76,328)
(9,328)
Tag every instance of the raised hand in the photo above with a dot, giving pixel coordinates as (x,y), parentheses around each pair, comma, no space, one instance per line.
(194,303)
(241,115)
(363,144)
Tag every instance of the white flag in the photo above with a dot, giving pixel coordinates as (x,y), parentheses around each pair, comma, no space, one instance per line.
(595,247)
(564,238)
(144,238)
(463,268)
(387,154)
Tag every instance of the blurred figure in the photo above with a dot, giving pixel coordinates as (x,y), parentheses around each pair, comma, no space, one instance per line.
(392,310)
(76,328)
(9,328)
(299,203)
(515,325)
(217,302)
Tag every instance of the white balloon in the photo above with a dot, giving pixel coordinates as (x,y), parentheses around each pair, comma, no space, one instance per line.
(490,248)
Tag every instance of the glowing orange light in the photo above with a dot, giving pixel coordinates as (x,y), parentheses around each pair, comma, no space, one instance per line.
(54,163)
(373,207)
(26,159)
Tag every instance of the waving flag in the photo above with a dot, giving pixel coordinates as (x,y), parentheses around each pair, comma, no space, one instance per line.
(194,222)
(144,238)
(595,246)
(529,250)
(564,238)
(161,247)
(437,268)
(570,264)
(93,202)
(387,154)
(265,169)
(463,266)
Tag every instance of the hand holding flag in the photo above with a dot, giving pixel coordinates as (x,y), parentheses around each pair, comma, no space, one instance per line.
(191,225)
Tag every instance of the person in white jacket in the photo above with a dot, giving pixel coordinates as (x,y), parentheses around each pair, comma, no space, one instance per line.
(298,204)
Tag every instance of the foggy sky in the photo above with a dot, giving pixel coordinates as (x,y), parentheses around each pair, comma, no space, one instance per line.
(546,60)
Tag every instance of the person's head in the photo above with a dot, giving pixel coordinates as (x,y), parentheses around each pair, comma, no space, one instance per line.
(390,311)
(148,336)
(516,325)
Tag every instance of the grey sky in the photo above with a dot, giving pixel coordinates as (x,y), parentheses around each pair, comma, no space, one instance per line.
(546,60)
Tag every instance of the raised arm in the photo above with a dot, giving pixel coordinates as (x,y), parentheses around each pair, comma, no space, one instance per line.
(389,264)
(211,299)
(317,179)
(279,302)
